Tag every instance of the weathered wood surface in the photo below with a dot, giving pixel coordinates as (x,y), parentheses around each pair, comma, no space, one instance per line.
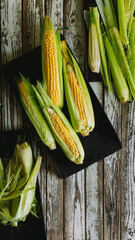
(97,203)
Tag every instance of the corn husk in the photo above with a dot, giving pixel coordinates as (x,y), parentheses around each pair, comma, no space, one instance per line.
(50,108)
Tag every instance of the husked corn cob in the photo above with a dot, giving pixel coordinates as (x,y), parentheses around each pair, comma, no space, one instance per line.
(93,44)
(63,132)
(61,128)
(77,95)
(51,67)
(52,63)
(34,112)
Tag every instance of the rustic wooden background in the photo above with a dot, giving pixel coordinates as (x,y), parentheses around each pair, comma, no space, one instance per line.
(97,203)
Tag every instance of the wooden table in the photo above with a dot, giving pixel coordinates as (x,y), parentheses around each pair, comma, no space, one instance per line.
(97,203)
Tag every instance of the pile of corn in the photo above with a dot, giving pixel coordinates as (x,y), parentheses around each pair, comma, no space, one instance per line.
(18,176)
(111,45)
(44,102)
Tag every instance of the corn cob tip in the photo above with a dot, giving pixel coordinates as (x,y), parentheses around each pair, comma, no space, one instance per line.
(125,99)
(79,161)
(52,146)
(85,132)
(48,23)
(95,67)
(64,50)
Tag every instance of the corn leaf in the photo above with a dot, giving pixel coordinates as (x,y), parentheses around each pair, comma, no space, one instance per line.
(118,78)
(34,112)
(27,197)
(105,69)
(122,22)
(122,60)
(1,176)
(132,47)
(48,106)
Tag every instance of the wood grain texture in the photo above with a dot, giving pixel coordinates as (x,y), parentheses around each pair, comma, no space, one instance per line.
(54,9)
(112,174)
(74,186)
(54,203)
(32,13)
(11,45)
(95,204)
(128,173)
(94,189)
(75,36)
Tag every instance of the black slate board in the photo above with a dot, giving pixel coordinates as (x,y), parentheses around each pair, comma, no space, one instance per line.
(102,142)
(32,228)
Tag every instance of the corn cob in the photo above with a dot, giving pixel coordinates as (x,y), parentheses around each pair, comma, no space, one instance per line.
(105,71)
(118,78)
(129,13)
(34,112)
(122,22)
(93,45)
(122,60)
(77,95)
(107,13)
(61,128)
(52,63)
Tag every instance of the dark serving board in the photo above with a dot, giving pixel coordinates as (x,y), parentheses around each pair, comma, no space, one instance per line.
(100,143)
(33,227)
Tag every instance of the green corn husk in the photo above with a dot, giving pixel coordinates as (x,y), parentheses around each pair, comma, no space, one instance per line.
(110,14)
(26,199)
(49,108)
(1,176)
(107,12)
(86,123)
(122,60)
(132,47)
(122,22)
(93,45)
(48,28)
(8,172)
(105,71)
(18,194)
(15,179)
(24,157)
(20,207)
(129,12)
(34,112)
(118,78)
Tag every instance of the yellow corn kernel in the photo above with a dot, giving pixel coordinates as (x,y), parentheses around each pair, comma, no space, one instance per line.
(51,66)
(63,132)
(22,90)
(77,94)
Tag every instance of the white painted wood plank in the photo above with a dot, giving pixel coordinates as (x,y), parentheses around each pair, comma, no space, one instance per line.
(11,45)
(54,9)
(128,173)
(74,186)
(112,108)
(94,189)
(54,203)
(33,11)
